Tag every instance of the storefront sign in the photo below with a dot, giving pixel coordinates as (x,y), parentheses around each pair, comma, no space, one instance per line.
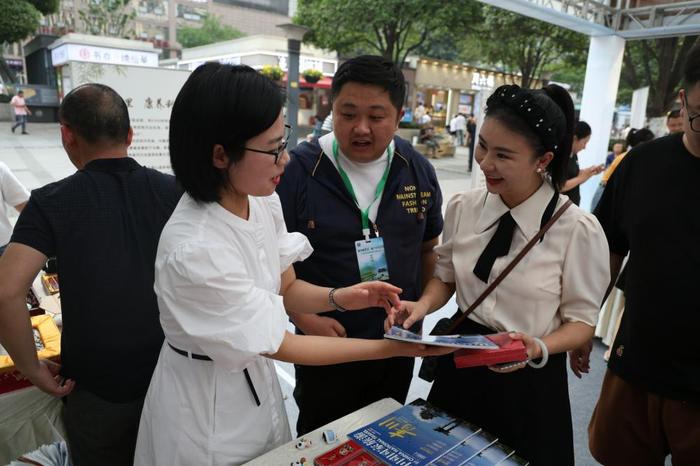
(108,56)
(483,81)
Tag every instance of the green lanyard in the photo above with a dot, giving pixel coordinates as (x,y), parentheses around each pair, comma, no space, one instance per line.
(348,186)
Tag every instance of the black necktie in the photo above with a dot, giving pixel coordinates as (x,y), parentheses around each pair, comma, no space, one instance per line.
(497,247)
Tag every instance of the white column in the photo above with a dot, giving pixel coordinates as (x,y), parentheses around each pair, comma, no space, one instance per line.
(598,103)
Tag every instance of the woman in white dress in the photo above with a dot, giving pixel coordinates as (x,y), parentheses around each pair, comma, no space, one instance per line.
(224,279)
(550,299)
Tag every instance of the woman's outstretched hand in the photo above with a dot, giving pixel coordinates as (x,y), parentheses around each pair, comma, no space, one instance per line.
(405,314)
(368,294)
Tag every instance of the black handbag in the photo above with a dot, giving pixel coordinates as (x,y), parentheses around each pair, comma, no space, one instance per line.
(447,325)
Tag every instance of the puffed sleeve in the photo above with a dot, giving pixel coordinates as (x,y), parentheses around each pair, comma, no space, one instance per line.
(586,272)
(444,268)
(294,246)
(208,292)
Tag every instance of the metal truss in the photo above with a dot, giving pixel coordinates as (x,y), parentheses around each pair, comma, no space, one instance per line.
(612,17)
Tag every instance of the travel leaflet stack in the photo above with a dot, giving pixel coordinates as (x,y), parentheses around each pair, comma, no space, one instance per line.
(420,434)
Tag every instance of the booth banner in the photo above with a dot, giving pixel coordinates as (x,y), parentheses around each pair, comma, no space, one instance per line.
(149,94)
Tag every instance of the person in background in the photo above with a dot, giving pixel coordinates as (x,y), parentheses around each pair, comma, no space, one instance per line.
(419,113)
(224,280)
(19,105)
(471,139)
(674,122)
(617,149)
(460,128)
(327,126)
(318,127)
(550,300)
(427,136)
(634,138)
(360,182)
(576,176)
(102,224)
(452,127)
(13,194)
(649,405)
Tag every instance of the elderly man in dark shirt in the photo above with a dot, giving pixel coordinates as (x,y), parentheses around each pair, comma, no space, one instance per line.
(102,224)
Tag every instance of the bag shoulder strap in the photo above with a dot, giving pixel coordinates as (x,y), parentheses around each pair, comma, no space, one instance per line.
(509,268)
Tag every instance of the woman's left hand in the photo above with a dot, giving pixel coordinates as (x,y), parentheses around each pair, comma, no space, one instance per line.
(369,294)
(533,352)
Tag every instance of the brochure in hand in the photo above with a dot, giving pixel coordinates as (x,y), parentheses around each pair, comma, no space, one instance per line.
(420,434)
(477,342)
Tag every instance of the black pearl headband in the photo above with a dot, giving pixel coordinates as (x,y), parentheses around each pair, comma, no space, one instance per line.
(544,119)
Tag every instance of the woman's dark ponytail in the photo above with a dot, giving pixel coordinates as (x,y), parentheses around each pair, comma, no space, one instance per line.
(557,167)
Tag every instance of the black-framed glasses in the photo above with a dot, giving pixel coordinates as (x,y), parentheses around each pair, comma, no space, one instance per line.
(694,122)
(276,153)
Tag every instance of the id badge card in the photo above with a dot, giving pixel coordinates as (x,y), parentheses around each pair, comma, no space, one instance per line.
(371,259)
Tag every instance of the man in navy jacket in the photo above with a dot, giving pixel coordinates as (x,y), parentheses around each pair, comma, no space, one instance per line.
(360,183)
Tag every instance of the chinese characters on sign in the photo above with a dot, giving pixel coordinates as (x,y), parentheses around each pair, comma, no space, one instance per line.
(87,53)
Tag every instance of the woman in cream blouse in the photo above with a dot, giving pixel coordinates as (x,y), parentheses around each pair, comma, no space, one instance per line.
(551,298)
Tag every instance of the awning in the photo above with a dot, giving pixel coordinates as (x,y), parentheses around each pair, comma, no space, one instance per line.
(323,83)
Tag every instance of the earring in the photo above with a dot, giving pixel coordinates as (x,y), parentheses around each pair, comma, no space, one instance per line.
(539,170)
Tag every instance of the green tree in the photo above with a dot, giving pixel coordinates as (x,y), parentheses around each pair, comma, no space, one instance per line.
(209,32)
(20,19)
(108,18)
(526,45)
(391,28)
(657,63)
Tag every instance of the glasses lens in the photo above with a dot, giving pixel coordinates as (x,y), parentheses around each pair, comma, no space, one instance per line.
(695,124)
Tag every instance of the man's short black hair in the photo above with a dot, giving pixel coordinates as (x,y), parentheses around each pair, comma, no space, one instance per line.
(582,130)
(375,70)
(20,92)
(218,104)
(97,113)
(676,113)
(691,72)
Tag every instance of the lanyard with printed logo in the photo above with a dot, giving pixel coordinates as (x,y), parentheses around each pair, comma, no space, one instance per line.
(371,258)
(348,185)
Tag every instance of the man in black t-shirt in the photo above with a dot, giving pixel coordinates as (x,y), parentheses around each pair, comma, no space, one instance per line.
(102,224)
(649,404)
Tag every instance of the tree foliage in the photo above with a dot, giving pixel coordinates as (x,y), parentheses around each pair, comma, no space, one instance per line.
(46,7)
(19,19)
(391,28)
(108,18)
(657,63)
(210,31)
(522,44)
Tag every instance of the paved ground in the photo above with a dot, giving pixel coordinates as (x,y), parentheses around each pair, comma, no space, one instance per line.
(38,158)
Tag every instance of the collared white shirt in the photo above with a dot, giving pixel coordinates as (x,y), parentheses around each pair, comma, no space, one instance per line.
(562,279)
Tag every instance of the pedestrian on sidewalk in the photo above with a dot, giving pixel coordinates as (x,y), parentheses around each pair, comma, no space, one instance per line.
(21,112)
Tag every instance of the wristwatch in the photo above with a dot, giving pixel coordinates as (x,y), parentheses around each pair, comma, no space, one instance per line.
(332,302)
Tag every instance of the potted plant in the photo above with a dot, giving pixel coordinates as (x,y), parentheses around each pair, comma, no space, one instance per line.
(275,73)
(312,76)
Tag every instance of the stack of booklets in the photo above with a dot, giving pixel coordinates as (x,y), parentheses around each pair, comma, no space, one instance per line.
(420,434)
(475,350)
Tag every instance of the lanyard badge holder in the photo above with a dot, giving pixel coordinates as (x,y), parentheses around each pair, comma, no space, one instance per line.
(371,257)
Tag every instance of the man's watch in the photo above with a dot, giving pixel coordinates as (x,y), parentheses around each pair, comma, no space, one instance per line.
(332,302)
